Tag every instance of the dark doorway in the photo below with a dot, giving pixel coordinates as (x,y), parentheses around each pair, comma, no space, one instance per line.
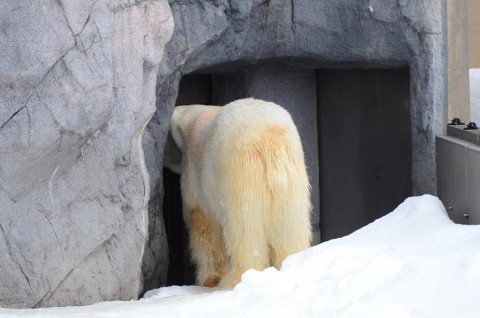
(365,146)
(360,165)
(180,268)
(194,89)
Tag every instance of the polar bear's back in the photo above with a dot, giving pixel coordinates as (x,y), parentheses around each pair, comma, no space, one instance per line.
(249,124)
(245,114)
(241,122)
(255,155)
(259,168)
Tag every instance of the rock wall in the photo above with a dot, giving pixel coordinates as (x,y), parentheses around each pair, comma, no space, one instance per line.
(77,83)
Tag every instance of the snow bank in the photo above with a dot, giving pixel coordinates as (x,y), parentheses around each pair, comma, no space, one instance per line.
(475,94)
(414,262)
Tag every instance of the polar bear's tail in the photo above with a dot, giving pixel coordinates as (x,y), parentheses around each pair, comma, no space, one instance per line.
(269,197)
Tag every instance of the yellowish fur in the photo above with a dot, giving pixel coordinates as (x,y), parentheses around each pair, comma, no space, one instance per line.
(244,185)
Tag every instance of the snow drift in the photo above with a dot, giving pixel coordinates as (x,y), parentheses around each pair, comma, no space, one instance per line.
(414,262)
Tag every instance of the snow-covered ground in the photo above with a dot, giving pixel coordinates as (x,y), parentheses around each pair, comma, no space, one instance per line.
(475,95)
(414,262)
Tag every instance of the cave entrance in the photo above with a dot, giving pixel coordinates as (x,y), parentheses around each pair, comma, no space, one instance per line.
(356,133)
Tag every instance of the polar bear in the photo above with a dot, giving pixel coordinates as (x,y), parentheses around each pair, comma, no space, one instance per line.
(245,189)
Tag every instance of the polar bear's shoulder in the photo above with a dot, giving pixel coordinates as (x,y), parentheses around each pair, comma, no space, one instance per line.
(250,111)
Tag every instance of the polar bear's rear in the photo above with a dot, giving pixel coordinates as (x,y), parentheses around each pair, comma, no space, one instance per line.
(244,186)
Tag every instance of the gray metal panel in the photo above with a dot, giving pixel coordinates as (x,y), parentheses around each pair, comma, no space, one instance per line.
(365,146)
(470,136)
(473,183)
(451,177)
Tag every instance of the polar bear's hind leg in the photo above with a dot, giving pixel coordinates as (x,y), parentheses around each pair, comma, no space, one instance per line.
(268,202)
(206,246)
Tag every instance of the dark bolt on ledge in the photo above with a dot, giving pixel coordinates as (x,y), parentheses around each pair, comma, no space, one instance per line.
(456,121)
(469,133)
(471,126)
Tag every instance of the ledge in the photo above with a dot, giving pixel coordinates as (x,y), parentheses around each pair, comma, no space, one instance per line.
(458,131)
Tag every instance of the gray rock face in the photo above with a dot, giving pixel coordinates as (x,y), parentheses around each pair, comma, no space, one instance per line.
(77,81)
(221,37)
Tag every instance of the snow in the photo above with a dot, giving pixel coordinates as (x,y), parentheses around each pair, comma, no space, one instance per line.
(414,262)
(475,95)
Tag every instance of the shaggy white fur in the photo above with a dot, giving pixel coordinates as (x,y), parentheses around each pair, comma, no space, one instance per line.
(244,186)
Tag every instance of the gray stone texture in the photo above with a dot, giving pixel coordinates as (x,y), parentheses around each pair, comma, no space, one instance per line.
(77,88)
